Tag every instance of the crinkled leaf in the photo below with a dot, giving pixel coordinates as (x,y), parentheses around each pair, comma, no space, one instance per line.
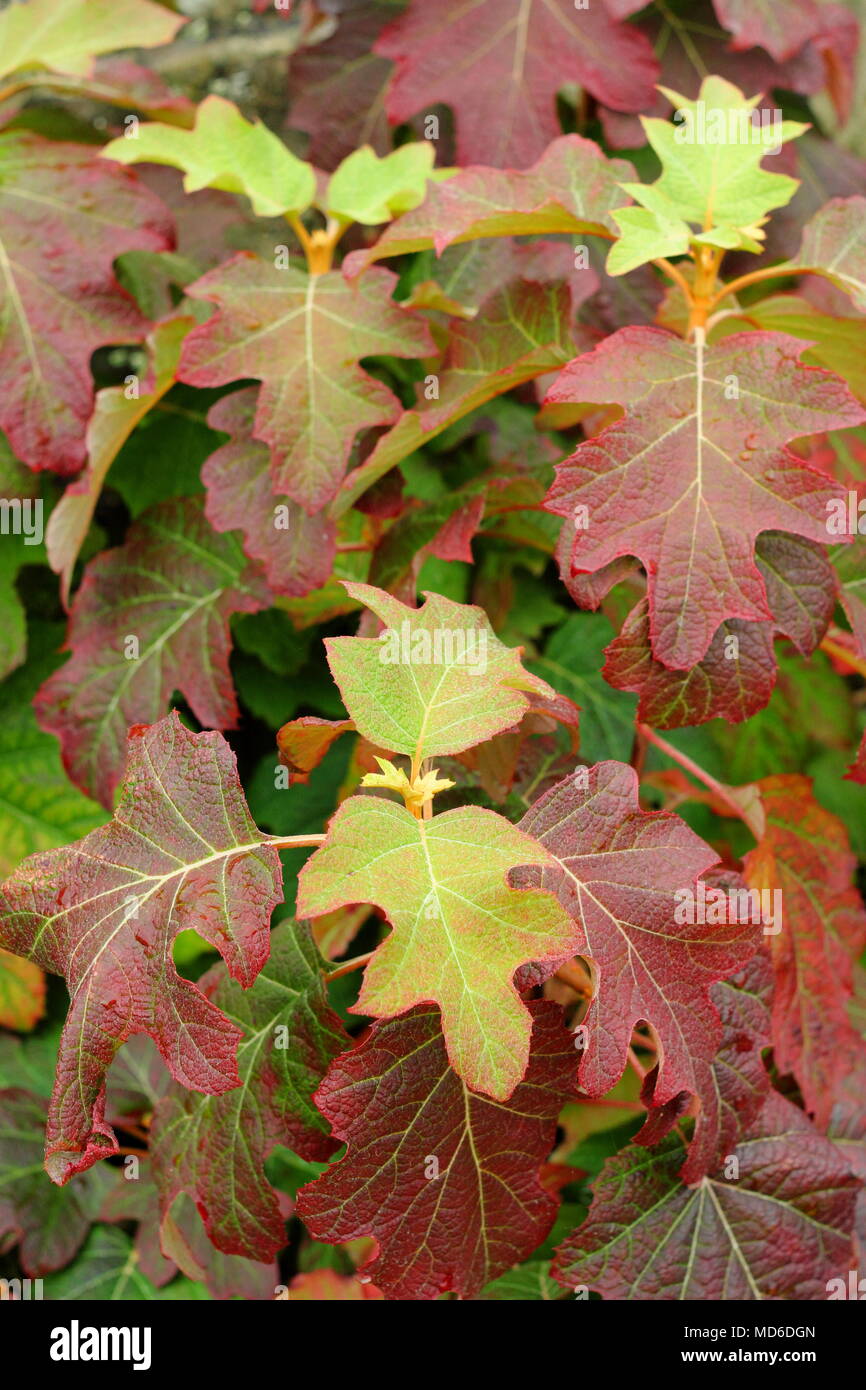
(65,35)
(780,1230)
(116,414)
(297,550)
(225,151)
(500,63)
(804,854)
(572,189)
(446,1181)
(150,617)
(436,680)
(303,336)
(618,871)
(181,852)
(66,216)
(214,1147)
(459,931)
(691,475)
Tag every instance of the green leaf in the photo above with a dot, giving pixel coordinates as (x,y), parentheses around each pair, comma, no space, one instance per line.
(107,1271)
(371,190)
(572,662)
(436,681)
(711,177)
(459,931)
(65,35)
(225,151)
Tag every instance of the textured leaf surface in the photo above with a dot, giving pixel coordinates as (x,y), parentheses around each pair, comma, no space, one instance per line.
(804,853)
(172,587)
(617,873)
(780,1230)
(459,931)
(296,550)
(740,1081)
(685,482)
(572,188)
(225,151)
(181,851)
(500,63)
(66,216)
(736,676)
(303,336)
(834,245)
(65,35)
(214,1147)
(437,679)
(398,1104)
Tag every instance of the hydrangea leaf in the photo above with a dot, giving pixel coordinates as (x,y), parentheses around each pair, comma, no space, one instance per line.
(500,63)
(782,27)
(693,473)
(150,617)
(435,681)
(22,993)
(447,1181)
(736,677)
(116,414)
(181,852)
(225,151)
(303,336)
(66,216)
(711,177)
(371,190)
(47,1223)
(740,1083)
(834,246)
(65,35)
(520,333)
(779,1230)
(459,931)
(296,550)
(337,87)
(572,189)
(107,1271)
(618,872)
(804,854)
(214,1147)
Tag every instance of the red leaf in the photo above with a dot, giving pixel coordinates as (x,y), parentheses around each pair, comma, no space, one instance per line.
(181,852)
(618,875)
(804,854)
(338,87)
(66,215)
(500,63)
(447,1181)
(691,475)
(298,553)
(779,26)
(304,742)
(214,1147)
(303,336)
(780,1230)
(171,589)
